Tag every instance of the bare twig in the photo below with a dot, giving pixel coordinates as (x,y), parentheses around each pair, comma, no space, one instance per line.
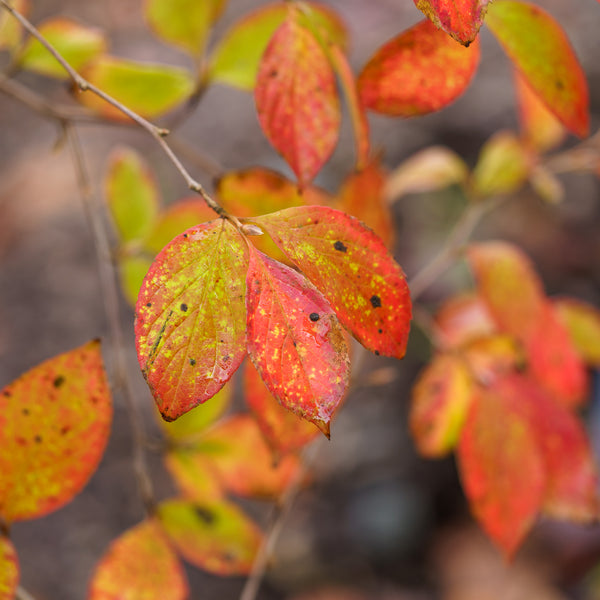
(23,594)
(110,296)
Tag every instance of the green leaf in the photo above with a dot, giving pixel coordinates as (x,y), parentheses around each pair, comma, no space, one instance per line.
(541,51)
(9,569)
(76,43)
(191,317)
(140,564)
(184,23)
(148,89)
(132,194)
(213,535)
(132,270)
(54,424)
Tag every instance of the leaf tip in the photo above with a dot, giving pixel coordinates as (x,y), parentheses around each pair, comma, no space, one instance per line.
(324,427)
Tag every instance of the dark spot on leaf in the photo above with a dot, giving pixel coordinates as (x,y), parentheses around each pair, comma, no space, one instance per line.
(340,246)
(185,235)
(192,361)
(94,400)
(64,430)
(38,439)
(559,84)
(380,330)
(314,317)
(228,557)
(226,358)
(295,344)
(6,393)
(58,381)
(222,341)
(273,73)
(183,306)
(376,301)
(205,515)
(25,411)
(149,304)
(376,352)
(21,441)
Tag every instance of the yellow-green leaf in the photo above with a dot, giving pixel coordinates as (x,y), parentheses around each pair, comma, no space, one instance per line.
(132,270)
(54,424)
(583,322)
(76,43)
(146,88)
(9,569)
(11,31)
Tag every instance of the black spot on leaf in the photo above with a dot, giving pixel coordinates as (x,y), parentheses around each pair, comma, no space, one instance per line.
(183,306)
(38,439)
(58,381)
(376,301)
(340,246)
(314,317)
(376,352)
(192,361)
(205,515)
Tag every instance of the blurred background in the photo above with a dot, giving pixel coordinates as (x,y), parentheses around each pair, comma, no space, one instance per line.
(378,522)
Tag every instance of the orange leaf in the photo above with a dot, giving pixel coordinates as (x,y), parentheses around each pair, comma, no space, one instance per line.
(540,49)
(459,18)
(362,196)
(190,317)
(440,401)
(54,424)
(296,99)
(139,564)
(492,356)
(420,71)
(350,265)
(502,467)
(295,341)
(583,322)
(227,448)
(213,535)
(284,431)
(9,569)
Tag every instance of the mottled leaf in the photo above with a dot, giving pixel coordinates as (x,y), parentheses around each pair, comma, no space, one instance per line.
(284,430)
(132,194)
(139,564)
(540,129)
(502,167)
(193,474)
(420,71)
(440,401)
(459,18)
(540,50)
(213,535)
(11,31)
(147,89)
(296,99)
(76,43)
(9,569)
(583,323)
(362,195)
(132,270)
(190,317)
(295,341)
(227,447)
(236,59)
(54,424)
(184,23)
(434,168)
(350,265)
(501,467)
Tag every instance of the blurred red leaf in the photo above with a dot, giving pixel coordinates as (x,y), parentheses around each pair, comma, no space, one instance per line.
(350,265)
(459,18)
(190,317)
(54,424)
(295,341)
(540,49)
(213,535)
(296,99)
(9,569)
(139,564)
(420,71)
(284,430)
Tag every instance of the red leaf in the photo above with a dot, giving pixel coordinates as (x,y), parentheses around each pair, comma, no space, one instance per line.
(284,431)
(541,51)
(190,317)
(54,424)
(420,71)
(295,341)
(9,569)
(459,18)
(139,564)
(502,467)
(296,99)
(350,265)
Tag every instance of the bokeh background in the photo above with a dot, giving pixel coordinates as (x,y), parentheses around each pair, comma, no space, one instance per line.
(378,521)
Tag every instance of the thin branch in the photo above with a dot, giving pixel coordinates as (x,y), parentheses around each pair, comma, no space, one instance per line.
(23,594)
(110,296)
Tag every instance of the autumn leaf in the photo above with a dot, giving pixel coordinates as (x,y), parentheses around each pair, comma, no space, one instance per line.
(441,399)
(295,341)
(493,356)
(393,81)
(11,31)
(502,467)
(9,569)
(213,535)
(582,320)
(54,424)
(459,18)
(190,317)
(350,265)
(296,99)
(139,564)
(540,49)
(283,430)
(192,473)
